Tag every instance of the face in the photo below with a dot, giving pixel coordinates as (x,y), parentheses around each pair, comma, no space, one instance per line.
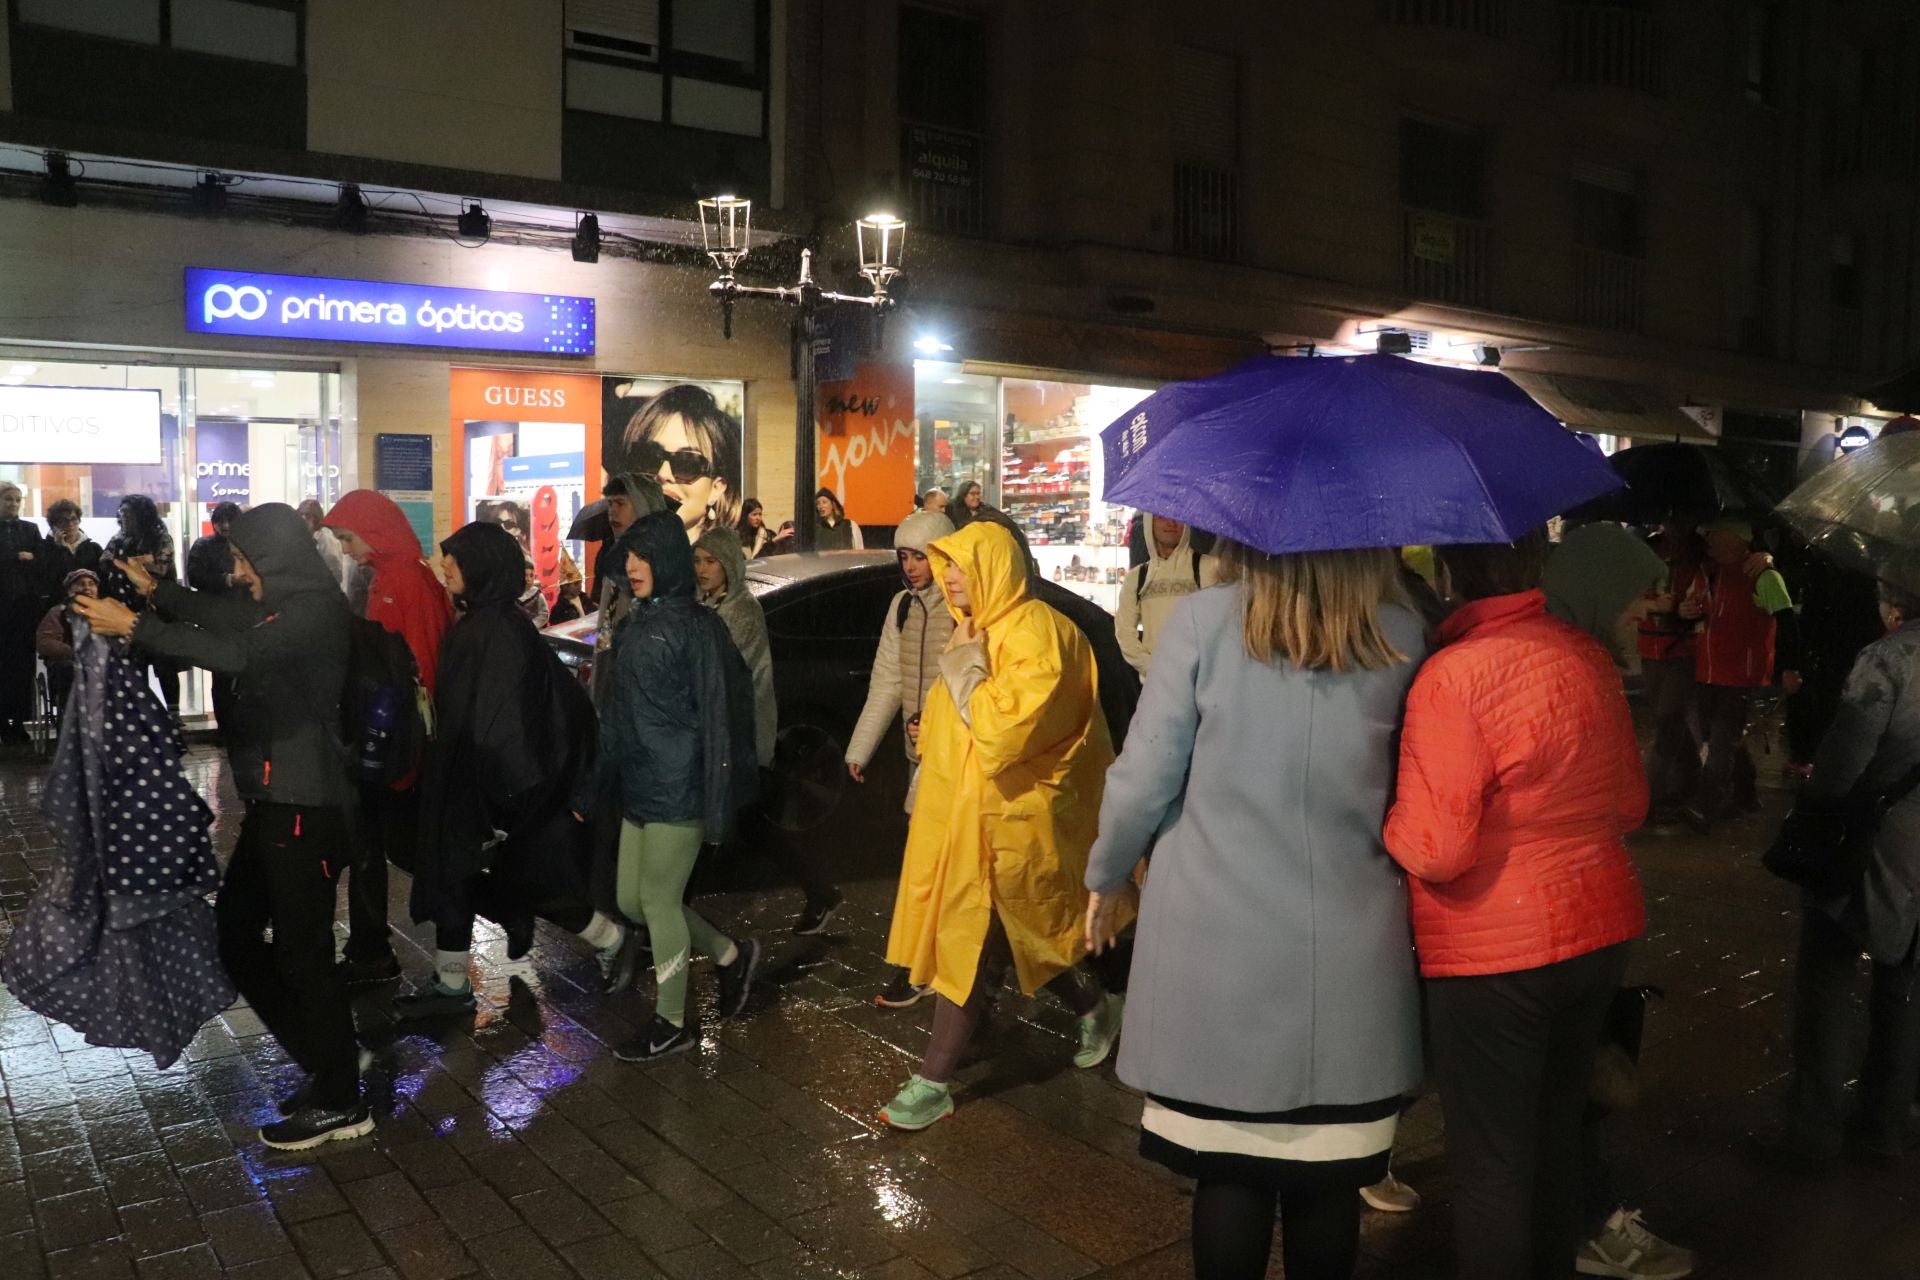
(917,568)
(975,497)
(531,577)
(1167,532)
(708,571)
(313,514)
(823,505)
(937,503)
(353,544)
(957,587)
(639,576)
(126,520)
(9,503)
(456,581)
(86,587)
(224,527)
(244,575)
(683,456)
(756,519)
(64,524)
(620,513)
(1727,548)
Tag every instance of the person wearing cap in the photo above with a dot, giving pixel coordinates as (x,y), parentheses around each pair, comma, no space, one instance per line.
(1747,632)
(53,641)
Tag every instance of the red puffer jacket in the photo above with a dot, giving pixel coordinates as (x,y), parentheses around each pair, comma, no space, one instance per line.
(1518,776)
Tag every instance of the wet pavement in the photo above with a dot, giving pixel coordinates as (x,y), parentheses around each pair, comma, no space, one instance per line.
(512,1143)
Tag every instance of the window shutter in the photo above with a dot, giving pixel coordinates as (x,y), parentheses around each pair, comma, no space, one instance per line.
(716,29)
(633,21)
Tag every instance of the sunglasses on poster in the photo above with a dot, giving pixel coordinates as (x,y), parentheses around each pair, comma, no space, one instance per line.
(688,464)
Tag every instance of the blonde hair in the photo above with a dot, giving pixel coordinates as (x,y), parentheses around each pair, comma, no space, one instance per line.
(1318,610)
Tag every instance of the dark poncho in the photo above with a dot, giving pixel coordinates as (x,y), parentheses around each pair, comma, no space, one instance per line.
(119,942)
(513,734)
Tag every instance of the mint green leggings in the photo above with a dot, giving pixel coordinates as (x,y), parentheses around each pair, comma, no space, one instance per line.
(656,861)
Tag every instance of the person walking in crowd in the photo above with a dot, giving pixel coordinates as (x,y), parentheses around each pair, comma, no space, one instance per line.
(934,502)
(1301,663)
(22,592)
(569,605)
(327,543)
(1872,751)
(1748,629)
(53,640)
(210,569)
(67,546)
(913,637)
(1518,778)
(286,643)
(720,570)
(533,597)
(676,749)
(628,497)
(1013,755)
(1151,590)
(968,503)
(686,442)
(514,737)
(1669,655)
(753,531)
(833,531)
(143,539)
(403,597)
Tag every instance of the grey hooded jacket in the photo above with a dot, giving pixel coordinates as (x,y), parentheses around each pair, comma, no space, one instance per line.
(747,624)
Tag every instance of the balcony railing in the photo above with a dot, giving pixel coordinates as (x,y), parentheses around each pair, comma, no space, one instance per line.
(1608,288)
(1478,17)
(1609,45)
(1444,258)
(1206,211)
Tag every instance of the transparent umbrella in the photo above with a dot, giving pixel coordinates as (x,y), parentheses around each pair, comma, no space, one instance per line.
(1863,510)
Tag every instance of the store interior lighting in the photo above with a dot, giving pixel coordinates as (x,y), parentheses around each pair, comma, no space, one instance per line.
(586,239)
(58,189)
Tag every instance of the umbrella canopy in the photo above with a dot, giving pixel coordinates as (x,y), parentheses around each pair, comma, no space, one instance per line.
(1863,510)
(1319,454)
(1664,478)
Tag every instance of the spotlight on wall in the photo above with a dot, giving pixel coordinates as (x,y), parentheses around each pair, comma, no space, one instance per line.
(1395,342)
(586,238)
(350,210)
(209,195)
(474,223)
(58,189)
(1487,354)
(928,344)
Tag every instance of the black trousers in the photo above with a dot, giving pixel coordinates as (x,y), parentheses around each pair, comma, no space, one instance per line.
(1513,1055)
(284,877)
(1673,760)
(19,617)
(1824,1055)
(1728,778)
(388,825)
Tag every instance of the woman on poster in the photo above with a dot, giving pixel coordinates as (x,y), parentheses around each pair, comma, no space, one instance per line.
(685,440)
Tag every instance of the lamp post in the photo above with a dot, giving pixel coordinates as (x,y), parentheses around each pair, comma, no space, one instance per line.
(726,230)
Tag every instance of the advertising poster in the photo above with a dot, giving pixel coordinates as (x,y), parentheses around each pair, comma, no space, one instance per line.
(221,469)
(403,470)
(687,435)
(865,447)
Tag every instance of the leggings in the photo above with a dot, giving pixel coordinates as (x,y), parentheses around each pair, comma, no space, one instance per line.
(1233,1231)
(656,861)
(954,1025)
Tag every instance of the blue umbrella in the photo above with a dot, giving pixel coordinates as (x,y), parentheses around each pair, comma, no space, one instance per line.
(1291,454)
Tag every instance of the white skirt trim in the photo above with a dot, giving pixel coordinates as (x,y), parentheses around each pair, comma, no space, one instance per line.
(1310,1143)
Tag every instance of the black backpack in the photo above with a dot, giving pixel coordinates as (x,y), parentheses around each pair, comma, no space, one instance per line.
(380,709)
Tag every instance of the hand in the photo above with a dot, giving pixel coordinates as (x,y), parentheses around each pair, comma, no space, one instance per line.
(963,633)
(1103,913)
(855,772)
(1692,610)
(578,816)
(24,555)
(1791,682)
(1661,603)
(107,617)
(136,571)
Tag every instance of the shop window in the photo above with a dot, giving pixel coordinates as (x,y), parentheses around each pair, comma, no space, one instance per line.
(137,20)
(250,30)
(959,428)
(1204,115)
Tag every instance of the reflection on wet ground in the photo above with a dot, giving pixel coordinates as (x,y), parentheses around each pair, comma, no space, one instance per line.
(512,1144)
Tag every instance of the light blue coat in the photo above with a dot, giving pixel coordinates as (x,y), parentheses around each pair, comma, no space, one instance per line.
(1274,966)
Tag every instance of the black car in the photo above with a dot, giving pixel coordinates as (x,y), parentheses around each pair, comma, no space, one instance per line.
(823,620)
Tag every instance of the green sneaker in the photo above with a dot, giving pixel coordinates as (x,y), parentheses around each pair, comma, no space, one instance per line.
(1099,1032)
(920,1104)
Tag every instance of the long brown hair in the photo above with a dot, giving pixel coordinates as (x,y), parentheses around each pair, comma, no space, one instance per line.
(1318,610)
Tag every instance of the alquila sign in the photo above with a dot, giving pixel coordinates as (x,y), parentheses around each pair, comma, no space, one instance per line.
(257,305)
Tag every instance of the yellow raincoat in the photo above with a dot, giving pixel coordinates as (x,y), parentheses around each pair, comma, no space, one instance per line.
(1007,804)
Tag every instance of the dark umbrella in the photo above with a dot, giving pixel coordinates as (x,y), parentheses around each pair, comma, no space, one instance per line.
(1291,454)
(591,524)
(1863,510)
(1664,478)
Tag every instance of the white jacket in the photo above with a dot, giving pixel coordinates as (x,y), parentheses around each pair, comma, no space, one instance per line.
(905,665)
(1145,606)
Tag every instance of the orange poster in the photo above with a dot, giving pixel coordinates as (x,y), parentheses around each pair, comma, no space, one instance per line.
(865,449)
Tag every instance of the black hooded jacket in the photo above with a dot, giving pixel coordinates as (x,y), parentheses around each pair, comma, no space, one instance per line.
(676,726)
(513,736)
(287,653)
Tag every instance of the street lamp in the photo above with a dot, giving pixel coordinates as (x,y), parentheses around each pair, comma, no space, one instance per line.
(726,231)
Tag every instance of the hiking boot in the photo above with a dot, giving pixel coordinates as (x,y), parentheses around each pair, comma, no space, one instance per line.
(1099,1032)
(814,919)
(1390,1195)
(902,991)
(626,962)
(920,1104)
(368,973)
(660,1040)
(1626,1250)
(311,1126)
(432,1001)
(736,979)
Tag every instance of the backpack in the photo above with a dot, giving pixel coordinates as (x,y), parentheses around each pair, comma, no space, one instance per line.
(380,708)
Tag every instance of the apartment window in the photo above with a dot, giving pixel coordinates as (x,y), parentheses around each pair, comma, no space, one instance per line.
(1610,44)
(698,64)
(1753,274)
(1441,167)
(1478,17)
(944,73)
(1204,114)
(1843,274)
(1606,207)
(250,30)
(1758,29)
(1445,251)
(1608,274)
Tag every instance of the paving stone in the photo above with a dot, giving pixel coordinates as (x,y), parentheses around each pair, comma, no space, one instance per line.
(335,1246)
(191,1263)
(426,1251)
(519,1254)
(560,1216)
(161,1226)
(100,1260)
(246,1233)
(471,1209)
(387,1201)
(77,1218)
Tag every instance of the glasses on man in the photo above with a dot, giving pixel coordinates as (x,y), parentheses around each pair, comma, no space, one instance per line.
(688,465)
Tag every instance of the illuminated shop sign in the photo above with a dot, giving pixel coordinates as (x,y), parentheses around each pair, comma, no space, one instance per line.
(255,305)
(79,425)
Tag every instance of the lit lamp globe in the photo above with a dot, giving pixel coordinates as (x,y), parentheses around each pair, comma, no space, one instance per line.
(883,243)
(726,230)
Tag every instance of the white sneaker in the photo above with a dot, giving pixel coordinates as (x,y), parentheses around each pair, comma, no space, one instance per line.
(1626,1250)
(1390,1195)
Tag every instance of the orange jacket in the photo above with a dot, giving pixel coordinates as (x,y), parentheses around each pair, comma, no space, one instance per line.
(1519,775)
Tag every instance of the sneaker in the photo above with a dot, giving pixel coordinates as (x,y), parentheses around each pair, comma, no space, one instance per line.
(302,1098)
(1099,1032)
(368,973)
(814,919)
(736,979)
(311,1126)
(626,962)
(920,1104)
(1626,1250)
(1390,1195)
(660,1040)
(432,1001)
(902,991)
(519,938)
